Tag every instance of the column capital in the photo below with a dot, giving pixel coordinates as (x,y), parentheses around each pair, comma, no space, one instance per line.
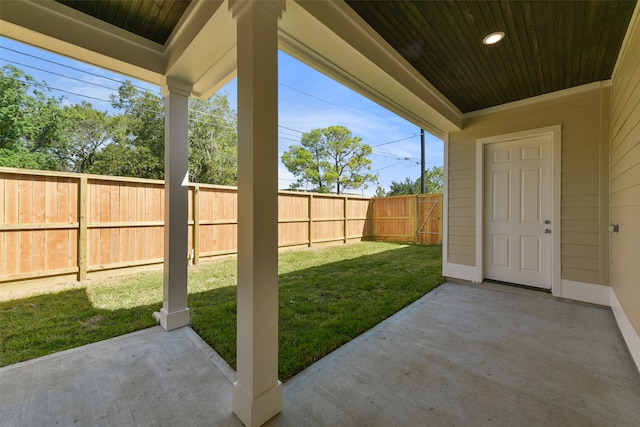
(272,7)
(174,85)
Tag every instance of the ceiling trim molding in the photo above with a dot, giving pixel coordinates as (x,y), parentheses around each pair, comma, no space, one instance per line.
(190,25)
(218,75)
(536,99)
(190,18)
(634,25)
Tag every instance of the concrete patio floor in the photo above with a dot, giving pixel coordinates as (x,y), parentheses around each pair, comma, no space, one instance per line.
(462,355)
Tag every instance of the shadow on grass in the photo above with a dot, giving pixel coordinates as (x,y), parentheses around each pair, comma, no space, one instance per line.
(44,324)
(324,307)
(320,308)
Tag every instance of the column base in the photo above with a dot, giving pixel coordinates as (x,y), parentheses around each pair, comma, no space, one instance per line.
(256,412)
(174,320)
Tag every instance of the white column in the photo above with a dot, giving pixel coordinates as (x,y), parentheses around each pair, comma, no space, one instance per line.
(257,394)
(174,313)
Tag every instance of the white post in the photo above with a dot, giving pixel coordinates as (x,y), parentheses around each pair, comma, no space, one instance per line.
(257,393)
(174,313)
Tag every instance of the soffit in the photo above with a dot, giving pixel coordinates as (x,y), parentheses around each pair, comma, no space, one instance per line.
(549,45)
(154,20)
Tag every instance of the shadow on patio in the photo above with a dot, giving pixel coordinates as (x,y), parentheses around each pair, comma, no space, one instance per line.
(462,355)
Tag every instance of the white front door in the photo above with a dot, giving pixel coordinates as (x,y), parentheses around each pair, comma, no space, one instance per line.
(518,211)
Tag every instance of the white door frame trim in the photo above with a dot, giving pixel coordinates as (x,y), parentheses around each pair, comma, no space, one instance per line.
(555,132)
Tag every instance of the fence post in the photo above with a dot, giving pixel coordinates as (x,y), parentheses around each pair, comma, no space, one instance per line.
(370,212)
(440,221)
(346,219)
(416,226)
(196,224)
(83,210)
(310,220)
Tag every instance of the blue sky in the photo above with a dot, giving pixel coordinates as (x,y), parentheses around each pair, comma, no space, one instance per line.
(308,100)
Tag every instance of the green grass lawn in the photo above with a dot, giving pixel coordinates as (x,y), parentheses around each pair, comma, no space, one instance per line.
(326,298)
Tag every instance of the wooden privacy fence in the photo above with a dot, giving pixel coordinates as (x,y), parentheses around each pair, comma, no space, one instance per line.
(412,218)
(63,226)
(73,226)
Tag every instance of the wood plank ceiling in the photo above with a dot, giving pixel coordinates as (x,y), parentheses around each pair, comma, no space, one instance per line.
(549,45)
(151,19)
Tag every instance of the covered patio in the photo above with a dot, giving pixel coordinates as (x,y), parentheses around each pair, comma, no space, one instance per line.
(566,74)
(462,355)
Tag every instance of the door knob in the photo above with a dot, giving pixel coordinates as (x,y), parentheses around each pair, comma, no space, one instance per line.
(546,221)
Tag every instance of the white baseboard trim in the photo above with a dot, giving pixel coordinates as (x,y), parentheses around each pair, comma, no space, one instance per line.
(459,271)
(631,337)
(586,292)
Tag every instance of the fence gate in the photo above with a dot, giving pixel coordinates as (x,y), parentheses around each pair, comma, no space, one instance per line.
(429,208)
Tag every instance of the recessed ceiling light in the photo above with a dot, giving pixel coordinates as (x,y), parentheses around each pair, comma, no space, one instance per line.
(493,38)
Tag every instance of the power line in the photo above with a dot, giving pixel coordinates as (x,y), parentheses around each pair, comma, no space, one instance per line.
(393,142)
(58,74)
(192,110)
(381,154)
(93,84)
(294,130)
(147,90)
(390,166)
(289,135)
(151,91)
(34,83)
(59,90)
(372,146)
(390,156)
(206,113)
(215,125)
(122,82)
(287,179)
(288,139)
(319,99)
(309,121)
(73,68)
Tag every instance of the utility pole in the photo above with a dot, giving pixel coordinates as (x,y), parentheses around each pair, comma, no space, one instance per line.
(422,161)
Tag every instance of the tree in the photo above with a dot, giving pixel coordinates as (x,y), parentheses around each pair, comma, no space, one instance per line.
(434,180)
(404,187)
(138,144)
(88,132)
(329,158)
(20,157)
(30,123)
(138,138)
(213,141)
(36,132)
(380,191)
